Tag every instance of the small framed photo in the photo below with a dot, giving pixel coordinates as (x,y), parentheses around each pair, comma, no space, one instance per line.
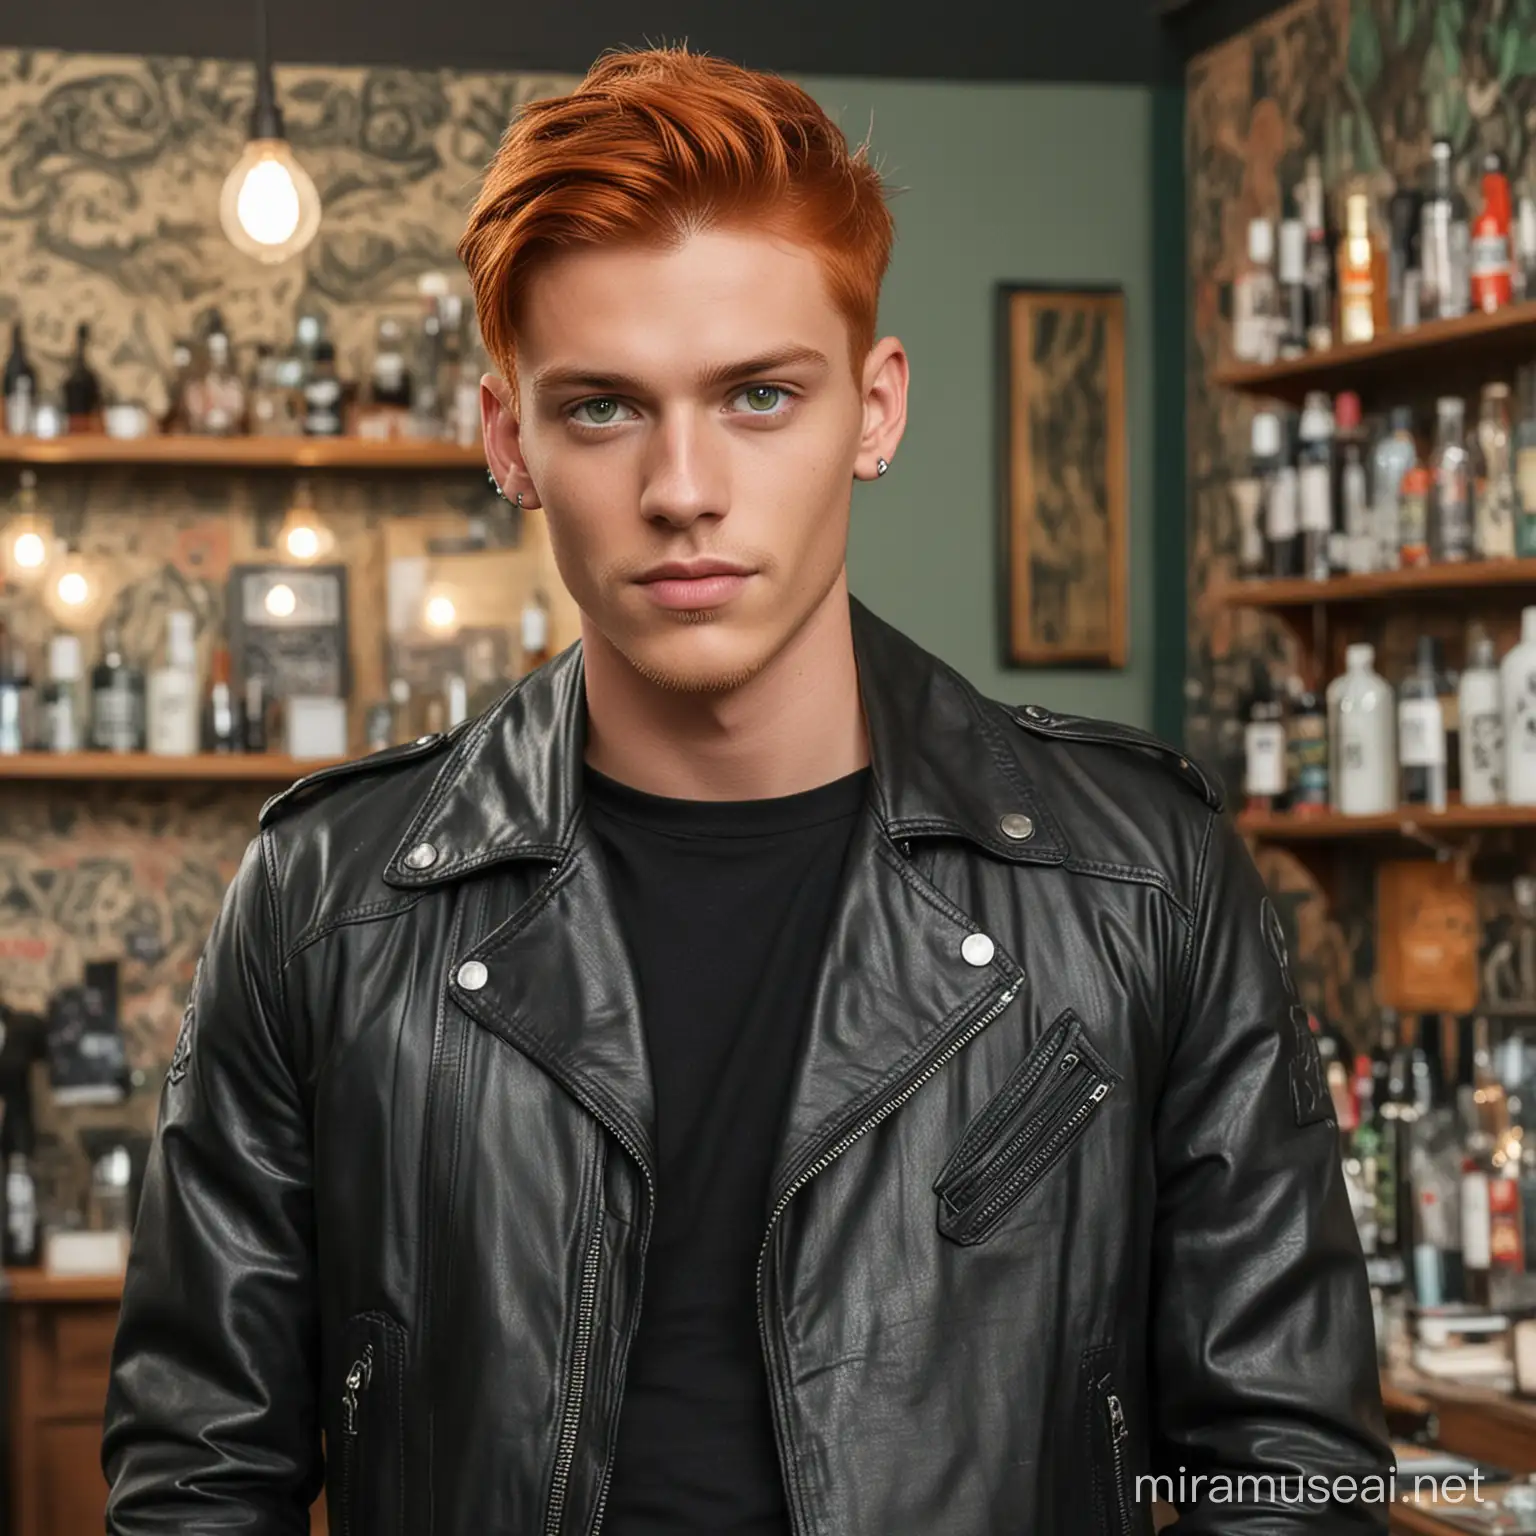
(1063,477)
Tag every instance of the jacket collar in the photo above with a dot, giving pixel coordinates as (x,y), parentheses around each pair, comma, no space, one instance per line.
(511,788)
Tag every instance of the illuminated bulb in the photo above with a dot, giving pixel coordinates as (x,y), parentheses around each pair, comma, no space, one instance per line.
(29,551)
(302,542)
(27,535)
(304,535)
(280,601)
(441,613)
(269,207)
(74,588)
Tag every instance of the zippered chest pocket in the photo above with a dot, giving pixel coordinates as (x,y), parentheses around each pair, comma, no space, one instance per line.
(1047,1103)
(368,1498)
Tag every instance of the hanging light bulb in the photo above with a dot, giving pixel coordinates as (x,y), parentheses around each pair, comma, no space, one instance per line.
(27,537)
(441,613)
(75,587)
(304,534)
(269,206)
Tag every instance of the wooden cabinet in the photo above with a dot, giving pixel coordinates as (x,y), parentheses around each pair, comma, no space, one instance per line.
(59,1336)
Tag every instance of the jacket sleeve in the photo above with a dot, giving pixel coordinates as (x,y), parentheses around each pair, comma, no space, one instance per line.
(1262,1346)
(212,1411)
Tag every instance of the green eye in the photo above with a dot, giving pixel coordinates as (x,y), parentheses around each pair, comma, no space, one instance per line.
(763,397)
(599,412)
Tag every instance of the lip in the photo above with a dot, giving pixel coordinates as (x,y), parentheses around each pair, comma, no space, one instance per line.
(692,585)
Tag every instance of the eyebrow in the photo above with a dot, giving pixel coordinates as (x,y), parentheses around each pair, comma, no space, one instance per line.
(550,380)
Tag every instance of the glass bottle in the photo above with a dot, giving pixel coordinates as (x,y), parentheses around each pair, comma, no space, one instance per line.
(1421,733)
(1493,477)
(1525,465)
(1490,281)
(1354,550)
(64,714)
(177,416)
(270,405)
(534,633)
(82,389)
(1418,497)
(1314,215)
(1445,243)
(223,392)
(1306,751)
(1363,734)
(1249,494)
(1481,709)
(1256,299)
(390,381)
(1264,752)
(1450,533)
(221,728)
(1357,272)
(1314,469)
(1394,455)
(322,395)
(1282,502)
(18,386)
(17,727)
(117,698)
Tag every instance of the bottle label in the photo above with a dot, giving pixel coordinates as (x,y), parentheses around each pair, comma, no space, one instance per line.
(1357,519)
(1281,520)
(1365,786)
(1421,733)
(1264,750)
(115,719)
(1476,1237)
(1490,257)
(1455,514)
(21,1212)
(63,728)
(1316,498)
(1504,1246)
(1482,753)
(1246,495)
(1309,761)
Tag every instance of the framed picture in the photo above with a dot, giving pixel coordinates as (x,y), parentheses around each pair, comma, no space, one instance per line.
(1063,476)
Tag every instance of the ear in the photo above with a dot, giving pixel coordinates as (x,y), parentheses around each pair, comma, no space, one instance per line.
(885,406)
(503,442)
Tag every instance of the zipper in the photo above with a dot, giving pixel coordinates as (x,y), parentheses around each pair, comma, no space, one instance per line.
(1021,1178)
(359,1379)
(997,1166)
(824,1162)
(586,1311)
(1118,1435)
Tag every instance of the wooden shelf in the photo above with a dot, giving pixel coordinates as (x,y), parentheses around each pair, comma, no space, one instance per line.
(1433,581)
(38,1285)
(1283,827)
(243,452)
(145,767)
(1441,356)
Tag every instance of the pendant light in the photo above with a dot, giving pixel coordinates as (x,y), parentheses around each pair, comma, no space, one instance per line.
(269,207)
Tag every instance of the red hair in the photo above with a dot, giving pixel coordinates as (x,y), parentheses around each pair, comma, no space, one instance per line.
(657,145)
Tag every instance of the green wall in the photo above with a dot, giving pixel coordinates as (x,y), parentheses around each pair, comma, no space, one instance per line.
(1020,183)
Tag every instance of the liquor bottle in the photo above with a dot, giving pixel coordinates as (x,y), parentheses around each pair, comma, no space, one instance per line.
(1418,497)
(1450,530)
(1391,1112)
(1282,523)
(1361,711)
(1357,262)
(117,699)
(1525,464)
(17,725)
(253,715)
(1355,547)
(386,414)
(1314,473)
(1249,494)
(221,726)
(82,389)
(1444,241)
(534,633)
(1313,202)
(1517,684)
(1306,751)
(269,402)
(1421,733)
(322,395)
(1493,477)
(1482,726)
(1405,212)
(1491,282)
(177,416)
(1391,459)
(63,713)
(1292,272)
(1525,245)
(1264,745)
(1256,299)
(22,1245)
(172,698)
(18,386)
(218,398)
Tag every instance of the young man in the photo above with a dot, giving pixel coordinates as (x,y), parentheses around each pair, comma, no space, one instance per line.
(747,1082)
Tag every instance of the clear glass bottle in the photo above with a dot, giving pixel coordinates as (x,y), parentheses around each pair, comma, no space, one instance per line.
(322,395)
(1314,215)
(1282,503)
(171,704)
(1393,456)
(1421,733)
(117,698)
(1256,299)
(1354,549)
(1314,470)
(1494,498)
(270,402)
(1445,240)
(1249,493)
(1450,532)
(64,713)
(1264,753)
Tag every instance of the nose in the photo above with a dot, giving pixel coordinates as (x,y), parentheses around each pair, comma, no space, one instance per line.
(685,471)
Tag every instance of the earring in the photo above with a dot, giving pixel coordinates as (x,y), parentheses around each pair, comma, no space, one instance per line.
(490,475)
(519,502)
(880,467)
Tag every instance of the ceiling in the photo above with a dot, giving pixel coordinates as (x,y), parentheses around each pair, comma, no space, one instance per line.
(1110,41)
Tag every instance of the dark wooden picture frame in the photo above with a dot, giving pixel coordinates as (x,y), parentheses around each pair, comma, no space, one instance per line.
(1063,479)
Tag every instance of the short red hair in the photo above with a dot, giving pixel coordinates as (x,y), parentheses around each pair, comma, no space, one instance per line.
(656,145)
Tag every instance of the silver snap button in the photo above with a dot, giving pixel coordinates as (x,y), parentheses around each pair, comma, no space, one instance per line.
(1035,712)
(977,949)
(473,975)
(1018,826)
(427,740)
(422,856)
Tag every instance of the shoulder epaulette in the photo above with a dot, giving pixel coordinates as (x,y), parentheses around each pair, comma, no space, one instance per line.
(374,762)
(1058,727)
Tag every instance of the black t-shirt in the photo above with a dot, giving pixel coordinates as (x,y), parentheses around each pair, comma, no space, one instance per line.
(725,908)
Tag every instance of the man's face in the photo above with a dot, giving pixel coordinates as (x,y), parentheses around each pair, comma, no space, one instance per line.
(690,421)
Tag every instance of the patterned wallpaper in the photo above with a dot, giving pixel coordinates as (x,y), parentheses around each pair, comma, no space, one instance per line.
(110,171)
(1367,83)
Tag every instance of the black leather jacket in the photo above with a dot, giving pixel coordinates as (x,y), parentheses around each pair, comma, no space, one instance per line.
(1057,1203)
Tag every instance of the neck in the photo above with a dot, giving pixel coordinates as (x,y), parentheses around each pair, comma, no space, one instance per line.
(797,724)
